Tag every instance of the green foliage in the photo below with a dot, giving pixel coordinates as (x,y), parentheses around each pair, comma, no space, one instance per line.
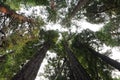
(89,38)
(15,4)
(53,67)
(53,16)
(61,4)
(25,46)
(99,11)
(91,13)
(49,36)
(57,68)
(116,79)
(109,34)
(96,68)
(15,61)
(35,2)
(41,2)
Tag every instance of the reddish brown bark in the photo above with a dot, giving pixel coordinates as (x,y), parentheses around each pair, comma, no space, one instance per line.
(12,14)
(30,69)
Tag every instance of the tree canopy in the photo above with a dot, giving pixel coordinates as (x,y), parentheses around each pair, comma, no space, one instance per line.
(25,39)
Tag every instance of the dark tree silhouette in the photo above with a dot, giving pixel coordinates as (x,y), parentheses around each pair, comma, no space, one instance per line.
(30,69)
(78,71)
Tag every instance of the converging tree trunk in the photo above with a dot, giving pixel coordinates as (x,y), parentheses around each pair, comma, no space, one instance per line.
(70,71)
(79,5)
(108,60)
(78,71)
(30,69)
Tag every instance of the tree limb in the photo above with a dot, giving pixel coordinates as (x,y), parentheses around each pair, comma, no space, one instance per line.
(8,12)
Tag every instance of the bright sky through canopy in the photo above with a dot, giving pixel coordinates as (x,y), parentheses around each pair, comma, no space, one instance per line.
(82,25)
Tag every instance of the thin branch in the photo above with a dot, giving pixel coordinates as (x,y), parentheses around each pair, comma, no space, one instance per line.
(61,69)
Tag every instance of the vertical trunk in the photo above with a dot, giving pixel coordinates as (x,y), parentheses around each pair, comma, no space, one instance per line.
(108,60)
(77,69)
(70,71)
(30,69)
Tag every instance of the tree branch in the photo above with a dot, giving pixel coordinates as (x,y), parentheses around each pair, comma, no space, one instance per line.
(12,14)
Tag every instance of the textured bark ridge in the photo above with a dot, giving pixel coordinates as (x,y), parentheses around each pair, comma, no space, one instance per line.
(7,11)
(30,69)
(108,60)
(78,71)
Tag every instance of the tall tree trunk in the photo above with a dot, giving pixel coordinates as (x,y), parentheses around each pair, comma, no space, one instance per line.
(30,69)
(79,5)
(108,60)
(71,14)
(70,71)
(12,14)
(77,69)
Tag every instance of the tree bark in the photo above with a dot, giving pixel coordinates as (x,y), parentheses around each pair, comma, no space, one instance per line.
(12,14)
(30,69)
(80,4)
(70,71)
(77,69)
(108,60)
